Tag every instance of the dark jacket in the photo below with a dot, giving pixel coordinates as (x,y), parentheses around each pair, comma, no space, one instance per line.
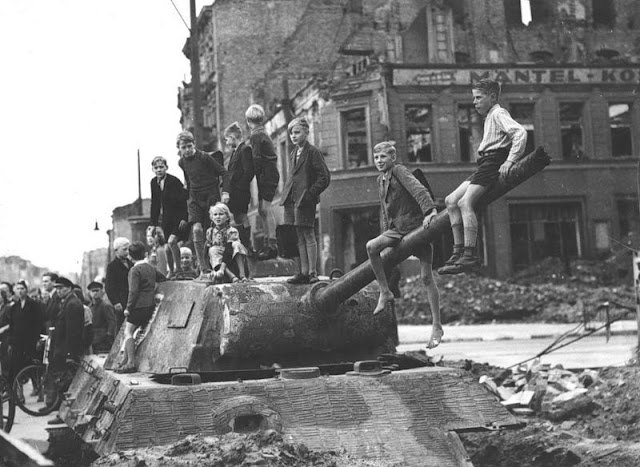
(239,175)
(116,284)
(25,325)
(142,285)
(67,340)
(52,308)
(173,200)
(307,178)
(404,202)
(104,326)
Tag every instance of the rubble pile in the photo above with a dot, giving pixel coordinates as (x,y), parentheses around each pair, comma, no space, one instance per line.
(593,421)
(265,448)
(554,393)
(474,299)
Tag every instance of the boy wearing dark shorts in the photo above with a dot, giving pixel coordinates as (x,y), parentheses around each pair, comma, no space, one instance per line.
(265,164)
(405,205)
(238,181)
(169,209)
(202,173)
(503,143)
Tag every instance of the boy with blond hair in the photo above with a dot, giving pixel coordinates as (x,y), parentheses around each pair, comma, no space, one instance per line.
(405,204)
(265,166)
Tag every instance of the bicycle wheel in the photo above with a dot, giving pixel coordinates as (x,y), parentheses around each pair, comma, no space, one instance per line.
(7,407)
(34,391)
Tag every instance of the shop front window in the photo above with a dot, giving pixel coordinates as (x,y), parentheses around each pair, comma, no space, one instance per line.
(418,120)
(546,230)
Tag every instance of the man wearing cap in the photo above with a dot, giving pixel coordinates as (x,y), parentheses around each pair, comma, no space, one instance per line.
(117,282)
(104,319)
(67,337)
(25,322)
(202,172)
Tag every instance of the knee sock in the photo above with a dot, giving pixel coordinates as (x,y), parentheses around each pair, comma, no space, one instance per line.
(470,235)
(458,233)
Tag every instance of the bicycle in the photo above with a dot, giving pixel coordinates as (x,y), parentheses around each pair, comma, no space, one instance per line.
(7,407)
(36,389)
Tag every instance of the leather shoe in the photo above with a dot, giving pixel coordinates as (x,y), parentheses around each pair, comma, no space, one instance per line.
(55,421)
(298,279)
(313,278)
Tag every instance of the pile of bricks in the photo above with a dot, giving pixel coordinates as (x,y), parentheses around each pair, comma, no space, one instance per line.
(554,393)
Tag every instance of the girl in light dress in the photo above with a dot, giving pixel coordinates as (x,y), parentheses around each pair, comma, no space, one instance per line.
(226,253)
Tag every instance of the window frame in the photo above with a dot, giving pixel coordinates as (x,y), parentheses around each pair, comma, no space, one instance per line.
(473,154)
(583,122)
(630,102)
(342,134)
(405,128)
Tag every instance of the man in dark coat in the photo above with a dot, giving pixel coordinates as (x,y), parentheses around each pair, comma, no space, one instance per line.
(169,208)
(117,282)
(25,322)
(52,304)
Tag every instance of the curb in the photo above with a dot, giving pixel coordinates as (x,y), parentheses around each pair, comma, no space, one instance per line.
(622,332)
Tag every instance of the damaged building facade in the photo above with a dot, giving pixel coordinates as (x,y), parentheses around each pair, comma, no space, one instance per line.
(367,71)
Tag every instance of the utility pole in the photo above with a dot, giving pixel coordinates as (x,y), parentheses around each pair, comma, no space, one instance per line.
(140,211)
(195,75)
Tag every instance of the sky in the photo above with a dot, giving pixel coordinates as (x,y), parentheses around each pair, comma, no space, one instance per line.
(85,84)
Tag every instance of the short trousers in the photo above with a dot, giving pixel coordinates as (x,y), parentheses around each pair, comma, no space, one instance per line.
(397,236)
(239,202)
(267,178)
(488,169)
(173,228)
(140,316)
(198,206)
(304,216)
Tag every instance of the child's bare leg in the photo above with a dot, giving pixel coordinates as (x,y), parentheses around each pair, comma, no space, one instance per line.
(433,296)
(175,253)
(469,219)
(198,244)
(302,249)
(239,260)
(374,247)
(311,247)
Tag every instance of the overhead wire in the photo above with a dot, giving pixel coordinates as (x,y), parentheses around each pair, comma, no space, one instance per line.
(181,17)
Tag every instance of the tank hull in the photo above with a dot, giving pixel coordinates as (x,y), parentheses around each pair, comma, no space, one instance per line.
(407,417)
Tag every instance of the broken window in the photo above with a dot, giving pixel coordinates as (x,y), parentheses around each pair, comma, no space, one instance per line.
(470,132)
(541,11)
(355,137)
(620,124)
(604,13)
(513,13)
(628,215)
(545,230)
(458,11)
(571,130)
(418,120)
(523,113)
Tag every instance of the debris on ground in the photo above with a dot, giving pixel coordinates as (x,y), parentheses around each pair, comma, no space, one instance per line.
(265,448)
(525,298)
(596,422)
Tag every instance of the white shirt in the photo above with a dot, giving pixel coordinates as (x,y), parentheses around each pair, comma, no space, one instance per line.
(500,131)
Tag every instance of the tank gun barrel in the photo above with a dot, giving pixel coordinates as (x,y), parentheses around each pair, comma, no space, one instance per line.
(327,297)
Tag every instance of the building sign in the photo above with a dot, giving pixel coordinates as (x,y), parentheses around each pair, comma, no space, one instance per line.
(453,76)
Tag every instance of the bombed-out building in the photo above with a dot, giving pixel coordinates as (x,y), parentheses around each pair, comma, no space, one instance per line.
(367,71)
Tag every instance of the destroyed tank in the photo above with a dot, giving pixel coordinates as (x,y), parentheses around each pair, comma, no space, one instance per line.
(299,359)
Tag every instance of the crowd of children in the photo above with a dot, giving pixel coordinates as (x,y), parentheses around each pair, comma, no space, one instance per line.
(218,220)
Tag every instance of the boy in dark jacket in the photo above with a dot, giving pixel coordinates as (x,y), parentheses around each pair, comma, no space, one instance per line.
(265,164)
(169,209)
(237,190)
(405,205)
